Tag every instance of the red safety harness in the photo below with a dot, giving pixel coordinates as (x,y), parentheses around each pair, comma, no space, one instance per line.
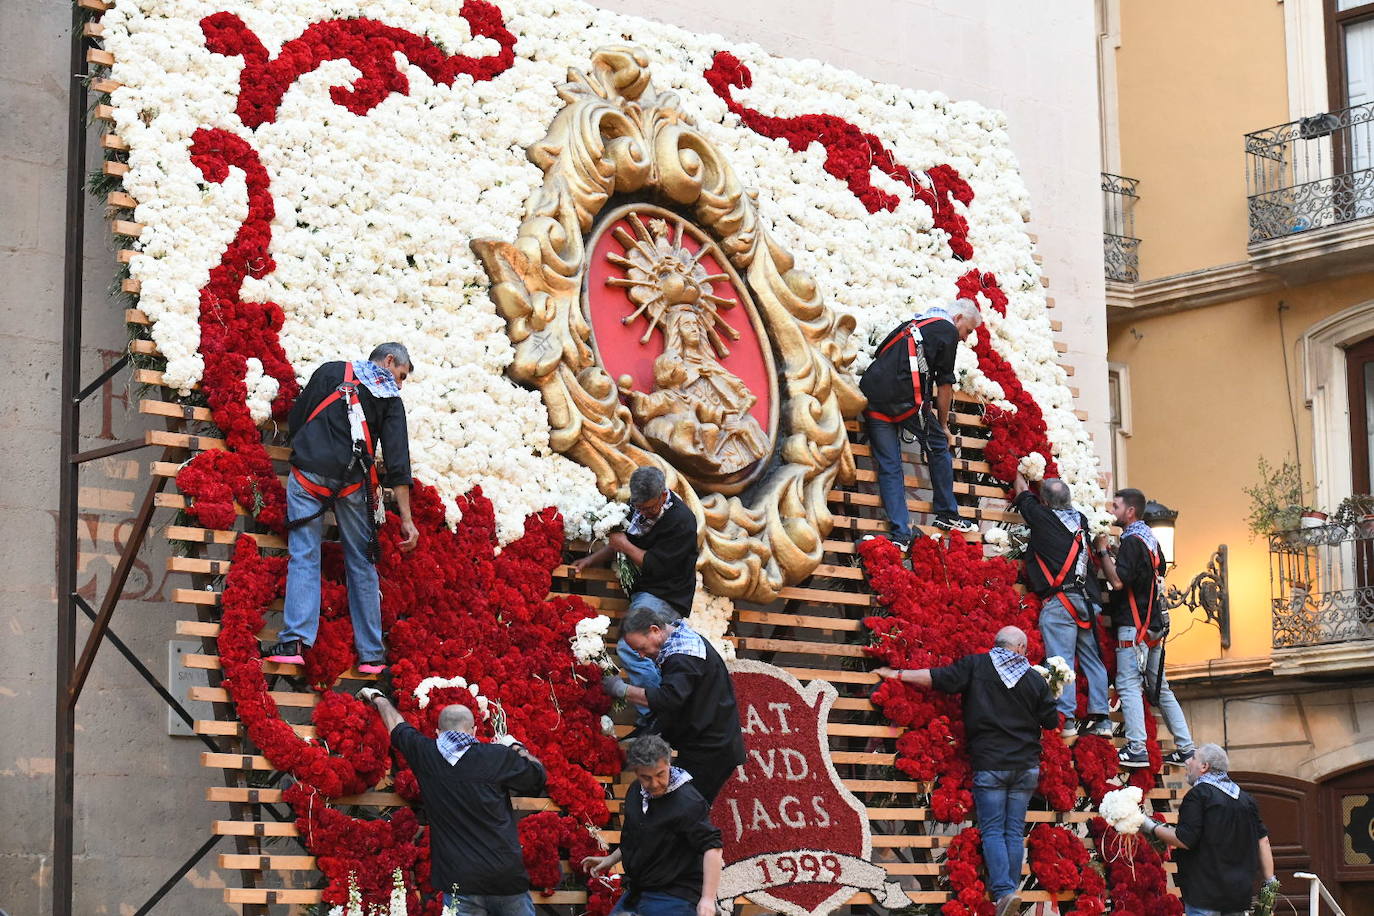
(1056,581)
(916,355)
(1142,627)
(347,391)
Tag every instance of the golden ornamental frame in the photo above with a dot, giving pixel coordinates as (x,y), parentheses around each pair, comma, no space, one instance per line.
(618,135)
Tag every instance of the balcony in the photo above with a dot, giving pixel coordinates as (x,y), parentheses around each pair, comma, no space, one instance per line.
(1310,185)
(1121,249)
(1322,582)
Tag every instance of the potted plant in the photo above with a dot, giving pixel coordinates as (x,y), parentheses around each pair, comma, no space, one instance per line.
(1276,502)
(1356,513)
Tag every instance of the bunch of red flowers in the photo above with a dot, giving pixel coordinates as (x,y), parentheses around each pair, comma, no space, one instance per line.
(367,44)
(454,607)
(365,851)
(232,331)
(851,154)
(951,603)
(1058,781)
(1135,872)
(1057,858)
(963,863)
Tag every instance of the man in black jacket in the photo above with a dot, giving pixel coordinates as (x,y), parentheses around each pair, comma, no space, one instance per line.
(694,704)
(1222,842)
(465,787)
(660,539)
(346,411)
(1060,571)
(670,849)
(910,387)
(1006,704)
(1141,624)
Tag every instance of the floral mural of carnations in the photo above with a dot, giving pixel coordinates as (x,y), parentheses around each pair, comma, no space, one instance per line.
(283,154)
(333,234)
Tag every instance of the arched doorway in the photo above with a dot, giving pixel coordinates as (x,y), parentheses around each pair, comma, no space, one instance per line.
(1325,828)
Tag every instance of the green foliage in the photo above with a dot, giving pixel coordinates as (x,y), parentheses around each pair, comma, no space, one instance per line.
(1276,502)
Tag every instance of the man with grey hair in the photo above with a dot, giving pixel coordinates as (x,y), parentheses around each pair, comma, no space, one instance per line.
(465,787)
(660,540)
(1005,706)
(1223,844)
(344,413)
(694,702)
(910,390)
(670,849)
(1060,571)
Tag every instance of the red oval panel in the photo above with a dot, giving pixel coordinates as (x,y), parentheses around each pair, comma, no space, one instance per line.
(618,345)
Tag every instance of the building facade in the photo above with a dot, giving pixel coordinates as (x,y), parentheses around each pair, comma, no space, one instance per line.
(1237,191)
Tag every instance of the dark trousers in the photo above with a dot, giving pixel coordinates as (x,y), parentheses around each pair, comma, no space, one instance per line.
(710,770)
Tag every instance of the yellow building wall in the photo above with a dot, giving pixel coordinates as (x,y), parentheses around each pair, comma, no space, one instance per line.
(1192,79)
(1208,399)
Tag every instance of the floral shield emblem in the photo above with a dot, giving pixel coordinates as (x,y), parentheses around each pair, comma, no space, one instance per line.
(796,840)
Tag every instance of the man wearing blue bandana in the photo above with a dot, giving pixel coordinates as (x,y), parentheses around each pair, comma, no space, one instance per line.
(693,703)
(344,414)
(1004,711)
(669,847)
(1141,624)
(1223,844)
(910,391)
(465,788)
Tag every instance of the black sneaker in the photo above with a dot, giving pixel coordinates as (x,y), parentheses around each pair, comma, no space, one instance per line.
(1178,758)
(1070,729)
(955,523)
(901,545)
(286,652)
(1134,759)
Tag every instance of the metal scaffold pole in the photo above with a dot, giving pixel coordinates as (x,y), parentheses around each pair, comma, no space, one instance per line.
(64,726)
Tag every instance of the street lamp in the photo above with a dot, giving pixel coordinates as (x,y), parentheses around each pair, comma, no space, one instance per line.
(1160,520)
(1209,590)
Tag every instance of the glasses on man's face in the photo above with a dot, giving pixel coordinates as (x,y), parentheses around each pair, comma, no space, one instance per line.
(650,505)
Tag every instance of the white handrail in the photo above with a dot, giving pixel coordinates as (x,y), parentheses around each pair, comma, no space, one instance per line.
(1317,892)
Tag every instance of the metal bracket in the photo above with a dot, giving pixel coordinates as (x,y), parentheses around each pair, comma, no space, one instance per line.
(1209,592)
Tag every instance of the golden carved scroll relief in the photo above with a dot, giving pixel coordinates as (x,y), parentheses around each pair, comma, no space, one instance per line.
(616,136)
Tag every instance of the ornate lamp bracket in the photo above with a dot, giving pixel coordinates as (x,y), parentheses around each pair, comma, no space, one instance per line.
(1209,593)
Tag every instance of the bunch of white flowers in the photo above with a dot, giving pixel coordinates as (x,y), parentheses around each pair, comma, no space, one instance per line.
(429,684)
(395,906)
(1121,809)
(589,642)
(1057,673)
(711,616)
(1032,467)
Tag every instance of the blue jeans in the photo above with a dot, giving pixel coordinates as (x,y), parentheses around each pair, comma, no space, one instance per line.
(1129,688)
(1201,911)
(885,442)
(652,903)
(641,671)
(490,904)
(1065,638)
(1001,798)
(301,611)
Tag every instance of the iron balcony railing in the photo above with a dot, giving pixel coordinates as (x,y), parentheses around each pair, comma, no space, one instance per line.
(1310,173)
(1120,247)
(1322,582)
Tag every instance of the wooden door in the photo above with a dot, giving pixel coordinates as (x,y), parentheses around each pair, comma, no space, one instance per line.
(1349,810)
(1291,811)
